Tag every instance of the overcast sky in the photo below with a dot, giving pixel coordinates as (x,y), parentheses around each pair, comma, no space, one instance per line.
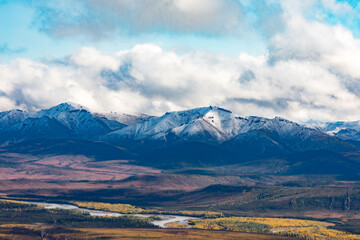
(295,59)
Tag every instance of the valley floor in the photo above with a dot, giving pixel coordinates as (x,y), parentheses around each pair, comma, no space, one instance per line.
(31,232)
(334,199)
(31,220)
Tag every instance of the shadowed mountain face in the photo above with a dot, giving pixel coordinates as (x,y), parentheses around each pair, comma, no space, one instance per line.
(100,151)
(201,137)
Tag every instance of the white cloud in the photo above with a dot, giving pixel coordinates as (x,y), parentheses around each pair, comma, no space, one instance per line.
(334,46)
(148,79)
(338,7)
(94,59)
(312,71)
(98,19)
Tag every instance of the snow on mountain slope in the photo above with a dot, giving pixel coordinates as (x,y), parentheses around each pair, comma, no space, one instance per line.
(281,135)
(62,121)
(213,123)
(124,118)
(12,117)
(344,130)
(59,111)
(318,125)
(67,114)
(79,120)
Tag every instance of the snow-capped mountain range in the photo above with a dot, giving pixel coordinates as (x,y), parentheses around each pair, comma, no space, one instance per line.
(197,137)
(210,125)
(216,126)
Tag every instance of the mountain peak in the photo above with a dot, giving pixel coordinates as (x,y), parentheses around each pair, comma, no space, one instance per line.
(280,119)
(61,108)
(11,112)
(68,106)
(201,111)
(219,109)
(11,117)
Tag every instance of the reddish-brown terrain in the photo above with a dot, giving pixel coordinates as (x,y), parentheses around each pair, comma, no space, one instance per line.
(66,168)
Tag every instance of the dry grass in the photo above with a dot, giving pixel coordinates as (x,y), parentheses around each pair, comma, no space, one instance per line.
(166,234)
(32,232)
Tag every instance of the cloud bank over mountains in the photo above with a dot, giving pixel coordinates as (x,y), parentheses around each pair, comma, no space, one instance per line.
(311,69)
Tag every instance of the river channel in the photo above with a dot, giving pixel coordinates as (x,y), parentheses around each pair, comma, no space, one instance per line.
(164,219)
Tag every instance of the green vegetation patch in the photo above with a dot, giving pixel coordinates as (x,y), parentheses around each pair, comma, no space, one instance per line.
(129,209)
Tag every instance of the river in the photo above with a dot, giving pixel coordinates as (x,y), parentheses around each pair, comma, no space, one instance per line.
(164,219)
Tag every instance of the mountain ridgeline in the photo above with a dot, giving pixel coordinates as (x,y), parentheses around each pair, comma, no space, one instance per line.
(206,137)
